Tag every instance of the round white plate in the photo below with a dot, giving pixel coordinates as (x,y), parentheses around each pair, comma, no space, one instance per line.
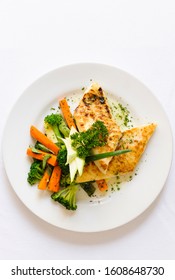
(109,211)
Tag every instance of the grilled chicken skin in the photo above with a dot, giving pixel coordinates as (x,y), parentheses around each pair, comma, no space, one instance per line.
(92,107)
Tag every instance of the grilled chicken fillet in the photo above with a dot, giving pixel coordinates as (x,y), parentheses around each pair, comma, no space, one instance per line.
(135,139)
(91,108)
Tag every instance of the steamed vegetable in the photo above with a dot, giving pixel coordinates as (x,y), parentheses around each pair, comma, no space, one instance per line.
(54,182)
(67,113)
(65,180)
(40,155)
(35,173)
(62,159)
(45,179)
(41,138)
(41,147)
(102,185)
(88,187)
(67,197)
(58,125)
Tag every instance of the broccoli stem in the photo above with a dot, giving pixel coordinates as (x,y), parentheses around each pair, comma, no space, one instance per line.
(64,129)
(105,155)
(56,131)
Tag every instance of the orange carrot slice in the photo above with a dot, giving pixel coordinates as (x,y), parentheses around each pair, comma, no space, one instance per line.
(67,113)
(45,179)
(54,182)
(102,185)
(39,136)
(40,156)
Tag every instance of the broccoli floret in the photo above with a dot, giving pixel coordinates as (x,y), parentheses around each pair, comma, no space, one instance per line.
(65,174)
(65,180)
(58,125)
(85,141)
(67,197)
(36,172)
(62,158)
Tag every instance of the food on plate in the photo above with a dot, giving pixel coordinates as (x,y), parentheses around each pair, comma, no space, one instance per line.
(80,148)
(41,138)
(41,155)
(93,107)
(134,139)
(67,113)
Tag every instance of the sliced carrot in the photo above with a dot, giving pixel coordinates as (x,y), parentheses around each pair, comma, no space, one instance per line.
(102,185)
(45,179)
(54,182)
(40,156)
(67,113)
(40,137)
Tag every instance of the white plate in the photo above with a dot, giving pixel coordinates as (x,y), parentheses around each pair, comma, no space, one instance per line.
(109,211)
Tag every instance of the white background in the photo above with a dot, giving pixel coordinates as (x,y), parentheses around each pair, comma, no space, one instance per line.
(41,35)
